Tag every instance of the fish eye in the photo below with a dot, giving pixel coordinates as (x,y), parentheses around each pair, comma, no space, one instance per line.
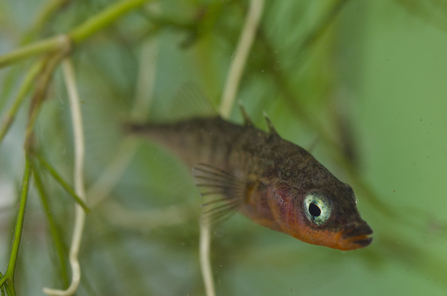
(317,208)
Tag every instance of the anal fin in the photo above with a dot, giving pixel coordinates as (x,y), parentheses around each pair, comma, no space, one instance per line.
(221,192)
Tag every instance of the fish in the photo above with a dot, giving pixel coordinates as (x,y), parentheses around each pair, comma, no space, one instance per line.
(271,181)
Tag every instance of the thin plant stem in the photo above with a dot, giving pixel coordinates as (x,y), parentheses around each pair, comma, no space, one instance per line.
(48,11)
(57,240)
(205,262)
(23,91)
(231,87)
(75,107)
(146,80)
(2,288)
(9,275)
(5,287)
(39,47)
(113,172)
(322,25)
(41,89)
(62,182)
(238,64)
(140,111)
(77,35)
(103,19)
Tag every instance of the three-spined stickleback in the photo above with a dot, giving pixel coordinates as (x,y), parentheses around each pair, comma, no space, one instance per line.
(273,182)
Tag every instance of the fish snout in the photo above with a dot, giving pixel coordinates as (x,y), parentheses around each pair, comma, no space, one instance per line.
(356,236)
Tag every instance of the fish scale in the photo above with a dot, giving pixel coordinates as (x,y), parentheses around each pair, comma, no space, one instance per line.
(214,140)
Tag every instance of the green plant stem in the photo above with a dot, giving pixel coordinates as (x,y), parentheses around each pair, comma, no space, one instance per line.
(64,184)
(9,83)
(103,19)
(57,240)
(48,11)
(41,90)
(3,287)
(23,91)
(322,26)
(39,47)
(9,275)
(77,35)
(8,291)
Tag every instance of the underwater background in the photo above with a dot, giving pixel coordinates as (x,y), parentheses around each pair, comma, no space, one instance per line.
(362,82)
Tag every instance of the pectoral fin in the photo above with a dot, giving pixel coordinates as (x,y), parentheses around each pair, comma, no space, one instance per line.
(222,193)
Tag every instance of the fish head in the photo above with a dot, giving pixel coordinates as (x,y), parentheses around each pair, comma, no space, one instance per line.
(315,207)
(329,220)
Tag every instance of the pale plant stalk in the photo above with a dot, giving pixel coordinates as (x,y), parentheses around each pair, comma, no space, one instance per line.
(146,79)
(205,263)
(229,96)
(240,57)
(75,107)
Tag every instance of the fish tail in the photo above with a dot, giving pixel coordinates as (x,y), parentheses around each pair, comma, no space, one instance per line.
(154,131)
(132,128)
(139,128)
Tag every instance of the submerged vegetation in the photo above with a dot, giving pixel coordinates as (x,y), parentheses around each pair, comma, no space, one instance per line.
(359,83)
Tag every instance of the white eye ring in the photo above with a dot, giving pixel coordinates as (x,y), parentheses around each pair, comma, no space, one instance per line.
(317,208)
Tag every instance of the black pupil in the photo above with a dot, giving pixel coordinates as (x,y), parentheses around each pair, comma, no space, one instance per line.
(314,210)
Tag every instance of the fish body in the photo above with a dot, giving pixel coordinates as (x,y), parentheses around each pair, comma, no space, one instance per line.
(273,182)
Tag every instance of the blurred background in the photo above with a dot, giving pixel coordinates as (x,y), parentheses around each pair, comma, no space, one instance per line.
(365,80)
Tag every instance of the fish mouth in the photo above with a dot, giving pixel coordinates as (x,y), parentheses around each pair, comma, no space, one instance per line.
(356,237)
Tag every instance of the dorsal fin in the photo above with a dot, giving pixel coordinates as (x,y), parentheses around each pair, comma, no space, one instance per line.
(247,120)
(190,102)
(272,130)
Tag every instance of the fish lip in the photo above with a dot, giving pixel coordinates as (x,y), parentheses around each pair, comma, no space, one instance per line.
(363,241)
(356,236)
(357,231)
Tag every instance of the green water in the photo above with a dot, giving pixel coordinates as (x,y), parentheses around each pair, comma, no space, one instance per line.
(380,66)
